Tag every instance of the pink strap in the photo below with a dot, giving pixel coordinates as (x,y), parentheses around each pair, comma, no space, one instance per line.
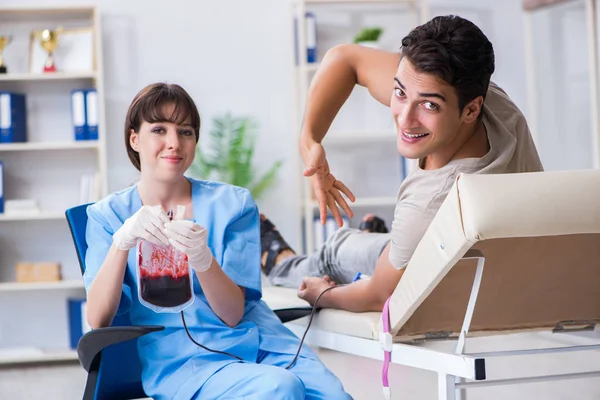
(387,355)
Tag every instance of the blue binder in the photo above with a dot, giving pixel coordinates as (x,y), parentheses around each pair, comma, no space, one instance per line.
(13,117)
(311,37)
(78,114)
(77,320)
(1,187)
(91,113)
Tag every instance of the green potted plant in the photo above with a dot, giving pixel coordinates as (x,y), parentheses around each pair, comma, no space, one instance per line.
(229,156)
(369,37)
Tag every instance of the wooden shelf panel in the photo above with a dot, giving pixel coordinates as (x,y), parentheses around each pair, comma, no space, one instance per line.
(48,215)
(28,286)
(31,355)
(54,76)
(35,146)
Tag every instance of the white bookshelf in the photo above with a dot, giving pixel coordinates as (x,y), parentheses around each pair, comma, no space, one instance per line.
(30,355)
(45,146)
(23,217)
(348,135)
(41,286)
(554,109)
(40,77)
(48,169)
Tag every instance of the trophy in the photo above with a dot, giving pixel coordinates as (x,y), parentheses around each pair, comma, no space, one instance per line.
(4,41)
(49,41)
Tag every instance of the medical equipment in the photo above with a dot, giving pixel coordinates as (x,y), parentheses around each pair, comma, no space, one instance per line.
(165,284)
(291,364)
(164,275)
(359,276)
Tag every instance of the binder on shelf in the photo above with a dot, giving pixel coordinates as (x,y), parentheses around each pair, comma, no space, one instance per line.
(91,113)
(324,232)
(1,187)
(78,325)
(89,190)
(13,117)
(78,114)
(311,37)
(319,230)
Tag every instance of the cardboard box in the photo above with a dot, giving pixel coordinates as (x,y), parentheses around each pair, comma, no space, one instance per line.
(38,272)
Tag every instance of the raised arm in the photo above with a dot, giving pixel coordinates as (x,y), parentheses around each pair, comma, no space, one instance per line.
(343,67)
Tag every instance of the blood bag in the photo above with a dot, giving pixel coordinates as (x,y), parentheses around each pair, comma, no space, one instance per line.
(164,277)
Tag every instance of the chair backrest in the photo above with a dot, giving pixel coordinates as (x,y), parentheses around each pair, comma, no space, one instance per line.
(539,234)
(120,372)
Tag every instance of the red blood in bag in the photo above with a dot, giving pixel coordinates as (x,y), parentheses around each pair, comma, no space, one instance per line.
(166,291)
(164,275)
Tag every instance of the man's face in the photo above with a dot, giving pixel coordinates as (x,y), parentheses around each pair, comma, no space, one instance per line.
(425,111)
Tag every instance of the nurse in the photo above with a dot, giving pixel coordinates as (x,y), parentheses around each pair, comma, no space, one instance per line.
(221,237)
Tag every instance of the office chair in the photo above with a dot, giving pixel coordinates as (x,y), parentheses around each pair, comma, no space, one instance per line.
(109,355)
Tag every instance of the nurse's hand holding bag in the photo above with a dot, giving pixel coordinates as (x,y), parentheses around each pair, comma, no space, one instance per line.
(147,223)
(190,239)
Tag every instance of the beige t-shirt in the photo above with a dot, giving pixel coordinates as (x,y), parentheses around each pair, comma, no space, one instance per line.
(423,191)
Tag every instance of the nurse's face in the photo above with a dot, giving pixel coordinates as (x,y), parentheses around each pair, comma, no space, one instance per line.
(166,149)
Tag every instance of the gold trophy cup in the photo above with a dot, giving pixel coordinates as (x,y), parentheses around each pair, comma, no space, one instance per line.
(49,42)
(4,41)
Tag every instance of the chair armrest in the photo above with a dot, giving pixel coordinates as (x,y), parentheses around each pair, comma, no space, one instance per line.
(290,314)
(93,342)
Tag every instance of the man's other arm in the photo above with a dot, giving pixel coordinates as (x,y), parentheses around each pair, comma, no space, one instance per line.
(367,294)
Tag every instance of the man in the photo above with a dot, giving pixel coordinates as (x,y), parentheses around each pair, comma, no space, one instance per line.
(448,116)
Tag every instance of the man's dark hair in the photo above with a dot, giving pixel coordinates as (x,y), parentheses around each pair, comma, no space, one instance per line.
(455,50)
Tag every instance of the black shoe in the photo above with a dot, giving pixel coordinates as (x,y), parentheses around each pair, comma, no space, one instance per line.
(271,242)
(373,224)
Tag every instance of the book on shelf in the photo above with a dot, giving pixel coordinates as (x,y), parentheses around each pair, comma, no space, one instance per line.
(13,117)
(78,324)
(89,189)
(1,187)
(310,22)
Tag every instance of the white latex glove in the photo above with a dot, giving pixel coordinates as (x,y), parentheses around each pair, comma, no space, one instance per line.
(190,239)
(147,223)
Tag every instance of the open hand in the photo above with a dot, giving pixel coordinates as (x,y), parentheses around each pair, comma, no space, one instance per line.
(327,189)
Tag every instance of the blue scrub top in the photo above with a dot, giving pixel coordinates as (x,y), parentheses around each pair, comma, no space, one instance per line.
(173,366)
